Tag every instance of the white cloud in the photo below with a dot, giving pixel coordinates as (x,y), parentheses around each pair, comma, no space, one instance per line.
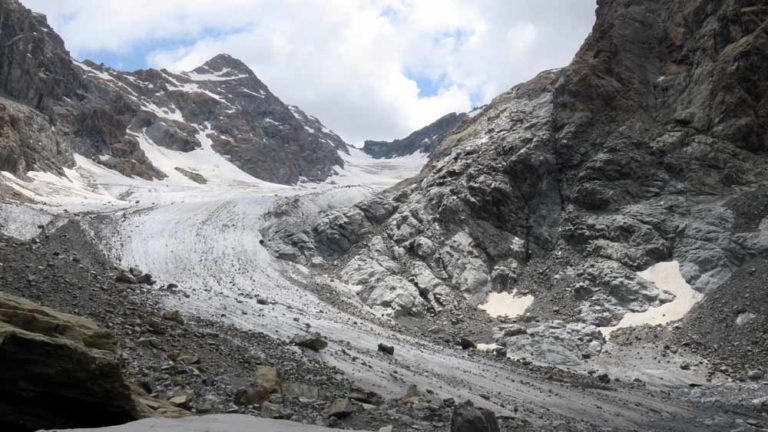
(352,63)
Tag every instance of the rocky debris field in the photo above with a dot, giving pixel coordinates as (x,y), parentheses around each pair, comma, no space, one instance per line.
(730,326)
(199,365)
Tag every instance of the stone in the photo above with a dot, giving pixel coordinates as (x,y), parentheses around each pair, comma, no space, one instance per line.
(182,400)
(146,279)
(271,410)
(755,375)
(207,404)
(266,383)
(174,316)
(126,278)
(467,418)
(58,357)
(301,391)
(386,349)
(412,394)
(189,360)
(465,343)
(314,341)
(340,408)
(513,330)
(135,272)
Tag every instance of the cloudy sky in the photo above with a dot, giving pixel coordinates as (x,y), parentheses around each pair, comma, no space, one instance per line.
(369,69)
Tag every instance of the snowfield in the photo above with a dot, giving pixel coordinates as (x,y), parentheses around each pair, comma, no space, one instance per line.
(205,238)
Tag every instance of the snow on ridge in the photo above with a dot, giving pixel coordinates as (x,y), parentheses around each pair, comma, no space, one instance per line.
(215,76)
(110,80)
(165,113)
(260,94)
(205,161)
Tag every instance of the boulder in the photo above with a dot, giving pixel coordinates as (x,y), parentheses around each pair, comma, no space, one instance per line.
(146,278)
(302,392)
(340,408)
(125,277)
(58,370)
(273,411)
(465,343)
(174,316)
(467,418)
(386,349)
(266,383)
(314,341)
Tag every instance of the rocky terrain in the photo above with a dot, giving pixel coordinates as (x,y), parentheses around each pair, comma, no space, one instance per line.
(115,117)
(586,252)
(648,148)
(424,140)
(195,364)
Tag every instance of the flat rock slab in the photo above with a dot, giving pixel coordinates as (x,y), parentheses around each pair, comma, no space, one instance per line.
(211,423)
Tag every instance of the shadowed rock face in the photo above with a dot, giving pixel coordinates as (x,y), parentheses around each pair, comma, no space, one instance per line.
(633,154)
(424,140)
(58,370)
(105,114)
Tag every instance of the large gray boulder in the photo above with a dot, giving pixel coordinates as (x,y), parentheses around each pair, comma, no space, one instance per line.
(58,370)
(468,418)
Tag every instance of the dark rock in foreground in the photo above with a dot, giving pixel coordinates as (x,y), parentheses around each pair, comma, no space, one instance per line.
(467,418)
(58,370)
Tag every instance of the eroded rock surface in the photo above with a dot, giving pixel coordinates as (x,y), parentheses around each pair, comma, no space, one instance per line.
(58,370)
(646,148)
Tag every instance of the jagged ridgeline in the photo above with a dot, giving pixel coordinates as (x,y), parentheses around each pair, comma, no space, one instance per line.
(53,106)
(645,149)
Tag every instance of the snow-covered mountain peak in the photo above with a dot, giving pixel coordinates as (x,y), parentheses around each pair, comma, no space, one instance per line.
(224,65)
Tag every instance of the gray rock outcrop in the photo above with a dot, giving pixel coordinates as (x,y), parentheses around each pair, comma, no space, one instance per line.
(650,146)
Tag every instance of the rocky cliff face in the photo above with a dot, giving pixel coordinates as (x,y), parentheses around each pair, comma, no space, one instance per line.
(112,116)
(424,140)
(565,186)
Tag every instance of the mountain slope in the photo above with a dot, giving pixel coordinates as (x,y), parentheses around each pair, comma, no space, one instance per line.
(424,140)
(565,186)
(111,116)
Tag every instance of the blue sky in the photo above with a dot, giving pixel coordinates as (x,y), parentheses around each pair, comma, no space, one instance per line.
(369,69)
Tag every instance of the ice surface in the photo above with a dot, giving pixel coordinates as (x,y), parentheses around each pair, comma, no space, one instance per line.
(666,276)
(506,304)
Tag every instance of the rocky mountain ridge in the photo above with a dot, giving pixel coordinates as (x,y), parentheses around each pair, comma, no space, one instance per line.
(424,140)
(565,186)
(112,116)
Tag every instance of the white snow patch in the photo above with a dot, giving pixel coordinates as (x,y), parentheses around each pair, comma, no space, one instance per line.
(260,94)
(506,304)
(488,347)
(70,189)
(204,161)
(192,88)
(171,114)
(94,72)
(666,276)
(216,76)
